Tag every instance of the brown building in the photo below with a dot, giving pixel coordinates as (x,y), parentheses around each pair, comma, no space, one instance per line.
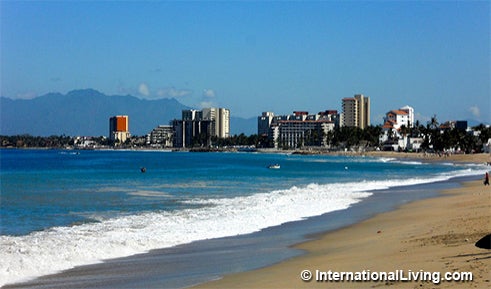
(119,128)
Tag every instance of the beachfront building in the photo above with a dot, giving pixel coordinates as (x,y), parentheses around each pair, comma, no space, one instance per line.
(198,126)
(356,111)
(454,124)
(403,116)
(160,137)
(264,123)
(395,130)
(220,121)
(299,129)
(119,128)
(487,147)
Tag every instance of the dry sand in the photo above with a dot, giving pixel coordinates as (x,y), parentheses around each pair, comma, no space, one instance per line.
(433,235)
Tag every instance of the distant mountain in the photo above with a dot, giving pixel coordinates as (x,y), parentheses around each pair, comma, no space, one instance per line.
(83,112)
(246,126)
(86,113)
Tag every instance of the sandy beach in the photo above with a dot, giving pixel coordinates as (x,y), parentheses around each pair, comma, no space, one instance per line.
(432,235)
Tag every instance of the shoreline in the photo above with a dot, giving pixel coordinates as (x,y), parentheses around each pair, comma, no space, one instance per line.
(148,260)
(474,158)
(434,235)
(163,268)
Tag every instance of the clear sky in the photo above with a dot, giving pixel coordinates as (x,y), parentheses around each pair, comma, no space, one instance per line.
(256,56)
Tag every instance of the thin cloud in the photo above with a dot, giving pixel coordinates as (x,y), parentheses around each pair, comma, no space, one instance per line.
(26,95)
(210,93)
(173,92)
(475,111)
(206,104)
(143,89)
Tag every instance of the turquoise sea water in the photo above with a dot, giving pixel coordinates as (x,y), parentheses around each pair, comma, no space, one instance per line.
(60,209)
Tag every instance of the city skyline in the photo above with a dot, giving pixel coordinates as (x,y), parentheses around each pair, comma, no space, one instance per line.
(254,57)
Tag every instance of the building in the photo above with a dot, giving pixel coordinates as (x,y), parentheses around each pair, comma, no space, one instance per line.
(264,123)
(220,118)
(119,128)
(298,129)
(393,136)
(410,115)
(454,124)
(197,127)
(394,119)
(356,111)
(161,137)
(397,118)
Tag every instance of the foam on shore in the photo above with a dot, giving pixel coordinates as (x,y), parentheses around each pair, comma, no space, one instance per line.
(60,248)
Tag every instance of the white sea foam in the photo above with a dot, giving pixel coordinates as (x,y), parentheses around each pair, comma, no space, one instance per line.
(60,248)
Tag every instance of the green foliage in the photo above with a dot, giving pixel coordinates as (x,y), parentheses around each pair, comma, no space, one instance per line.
(434,139)
(28,141)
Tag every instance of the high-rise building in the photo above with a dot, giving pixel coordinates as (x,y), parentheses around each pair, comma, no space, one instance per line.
(264,123)
(198,126)
(220,121)
(119,128)
(356,111)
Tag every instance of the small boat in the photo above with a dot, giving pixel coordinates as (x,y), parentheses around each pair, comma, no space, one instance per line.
(274,166)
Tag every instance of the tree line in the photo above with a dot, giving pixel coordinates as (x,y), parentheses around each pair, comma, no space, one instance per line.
(435,138)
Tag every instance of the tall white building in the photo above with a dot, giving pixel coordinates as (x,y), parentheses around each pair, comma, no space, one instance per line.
(198,126)
(220,121)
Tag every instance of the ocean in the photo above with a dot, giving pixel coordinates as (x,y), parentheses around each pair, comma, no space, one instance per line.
(62,208)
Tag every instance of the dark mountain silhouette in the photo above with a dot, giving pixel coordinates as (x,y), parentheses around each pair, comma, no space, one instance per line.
(247,126)
(83,112)
(86,113)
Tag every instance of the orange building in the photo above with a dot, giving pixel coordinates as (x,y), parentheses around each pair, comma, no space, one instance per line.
(119,128)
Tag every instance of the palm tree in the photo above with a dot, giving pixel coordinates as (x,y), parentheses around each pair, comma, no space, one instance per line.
(433,123)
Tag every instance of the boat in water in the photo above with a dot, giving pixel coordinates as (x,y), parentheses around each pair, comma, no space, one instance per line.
(274,166)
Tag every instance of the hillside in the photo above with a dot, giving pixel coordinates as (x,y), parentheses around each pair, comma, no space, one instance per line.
(86,112)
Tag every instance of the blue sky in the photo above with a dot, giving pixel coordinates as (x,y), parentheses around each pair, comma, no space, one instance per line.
(256,56)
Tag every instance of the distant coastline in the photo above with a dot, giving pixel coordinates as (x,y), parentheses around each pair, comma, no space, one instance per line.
(476,158)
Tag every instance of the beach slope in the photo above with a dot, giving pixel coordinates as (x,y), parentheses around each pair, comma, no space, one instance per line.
(432,235)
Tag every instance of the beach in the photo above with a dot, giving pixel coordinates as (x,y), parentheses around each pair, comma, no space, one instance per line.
(402,224)
(431,235)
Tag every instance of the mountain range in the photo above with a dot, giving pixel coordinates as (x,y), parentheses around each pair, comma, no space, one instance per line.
(86,112)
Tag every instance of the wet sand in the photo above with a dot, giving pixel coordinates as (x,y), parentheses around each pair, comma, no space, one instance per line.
(434,235)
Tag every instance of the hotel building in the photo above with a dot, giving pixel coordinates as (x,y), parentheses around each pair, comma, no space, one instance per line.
(119,128)
(298,129)
(198,126)
(161,137)
(356,111)
(393,137)
(220,121)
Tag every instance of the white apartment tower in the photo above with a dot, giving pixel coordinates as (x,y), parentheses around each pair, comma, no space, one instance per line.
(220,117)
